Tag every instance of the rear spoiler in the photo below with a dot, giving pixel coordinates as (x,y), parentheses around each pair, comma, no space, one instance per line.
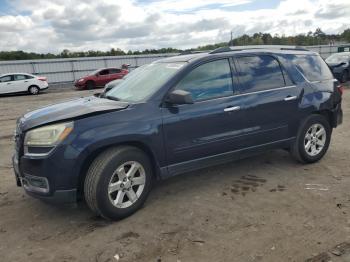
(125,66)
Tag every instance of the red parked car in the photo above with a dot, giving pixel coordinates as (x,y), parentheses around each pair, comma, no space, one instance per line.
(100,77)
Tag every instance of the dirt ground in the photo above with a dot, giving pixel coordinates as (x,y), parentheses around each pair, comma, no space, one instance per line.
(265,208)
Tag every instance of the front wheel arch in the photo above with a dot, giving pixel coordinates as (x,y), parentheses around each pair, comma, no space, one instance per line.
(90,84)
(102,173)
(86,162)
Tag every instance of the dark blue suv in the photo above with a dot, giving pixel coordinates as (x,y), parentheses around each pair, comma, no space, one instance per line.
(175,115)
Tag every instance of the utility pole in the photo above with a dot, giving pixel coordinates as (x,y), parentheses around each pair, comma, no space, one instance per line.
(231,39)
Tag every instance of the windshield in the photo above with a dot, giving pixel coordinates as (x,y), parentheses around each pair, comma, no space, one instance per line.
(135,71)
(338,58)
(141,85)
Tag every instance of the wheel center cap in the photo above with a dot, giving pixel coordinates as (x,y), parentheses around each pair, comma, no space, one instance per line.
(127,184)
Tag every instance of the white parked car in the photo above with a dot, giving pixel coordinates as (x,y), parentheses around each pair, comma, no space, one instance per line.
(22,83)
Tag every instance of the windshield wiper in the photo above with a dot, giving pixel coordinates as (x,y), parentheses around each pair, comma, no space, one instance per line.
(113,98)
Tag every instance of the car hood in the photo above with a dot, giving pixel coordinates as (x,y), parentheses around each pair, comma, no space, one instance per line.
(117,81)
(77,108)
(84,77)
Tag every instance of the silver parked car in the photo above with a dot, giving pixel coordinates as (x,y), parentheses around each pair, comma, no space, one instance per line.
(116,82)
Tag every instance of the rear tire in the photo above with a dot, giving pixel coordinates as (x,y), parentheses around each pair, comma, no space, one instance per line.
(34,90)
(344,76)
(312,140)
(90,85)
(118,182)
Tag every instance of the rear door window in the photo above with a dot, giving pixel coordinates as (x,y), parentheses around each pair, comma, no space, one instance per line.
(312,67)
(258,73)
(208,81)
(20,77)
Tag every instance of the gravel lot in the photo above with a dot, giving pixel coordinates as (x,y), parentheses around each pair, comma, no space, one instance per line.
(265,208)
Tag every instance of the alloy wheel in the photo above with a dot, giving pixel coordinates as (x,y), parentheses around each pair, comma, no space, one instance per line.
(34,90)
(315,139)
(126,184)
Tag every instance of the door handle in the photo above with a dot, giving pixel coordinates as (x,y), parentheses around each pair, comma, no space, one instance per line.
(232,108)
(289,98)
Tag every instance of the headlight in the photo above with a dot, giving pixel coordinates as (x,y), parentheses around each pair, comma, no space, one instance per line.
(81,80)
(49,135)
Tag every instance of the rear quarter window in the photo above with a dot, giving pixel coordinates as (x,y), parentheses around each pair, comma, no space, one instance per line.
(312,67)
(114,71)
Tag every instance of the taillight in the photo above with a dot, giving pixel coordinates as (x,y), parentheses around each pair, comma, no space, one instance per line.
(41,78)
(340,89)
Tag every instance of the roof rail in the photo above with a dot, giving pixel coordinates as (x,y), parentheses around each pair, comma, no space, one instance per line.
(241,48)
(221,50)
(189,52)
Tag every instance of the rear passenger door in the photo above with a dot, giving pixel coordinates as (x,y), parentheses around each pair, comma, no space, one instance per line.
(20,83)
(115,73)
(270,99)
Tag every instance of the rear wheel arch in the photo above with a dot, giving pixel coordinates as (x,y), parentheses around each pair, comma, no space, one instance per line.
(94,154)
(31,86)
(345,76)
(326,113)
(297,146)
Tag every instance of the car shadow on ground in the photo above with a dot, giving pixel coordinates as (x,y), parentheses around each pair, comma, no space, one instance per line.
(202,180)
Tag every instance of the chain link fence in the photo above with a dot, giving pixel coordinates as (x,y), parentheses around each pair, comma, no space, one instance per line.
(67,70)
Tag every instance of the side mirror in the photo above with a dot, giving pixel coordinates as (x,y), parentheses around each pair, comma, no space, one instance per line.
(107,89)
(179,97)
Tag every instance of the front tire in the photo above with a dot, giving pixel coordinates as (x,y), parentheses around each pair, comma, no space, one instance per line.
(90,85)
(118,182)
(33,90)
(312,140)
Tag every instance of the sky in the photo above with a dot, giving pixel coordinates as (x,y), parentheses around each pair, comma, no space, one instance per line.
(81,25)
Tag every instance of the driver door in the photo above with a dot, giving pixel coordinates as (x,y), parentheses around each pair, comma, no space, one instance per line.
(6,83)
(103,77)
(209,127)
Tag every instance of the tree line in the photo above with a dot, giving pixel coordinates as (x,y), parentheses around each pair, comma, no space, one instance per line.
(311,38)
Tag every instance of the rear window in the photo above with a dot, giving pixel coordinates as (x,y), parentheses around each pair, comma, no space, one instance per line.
(312,67)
